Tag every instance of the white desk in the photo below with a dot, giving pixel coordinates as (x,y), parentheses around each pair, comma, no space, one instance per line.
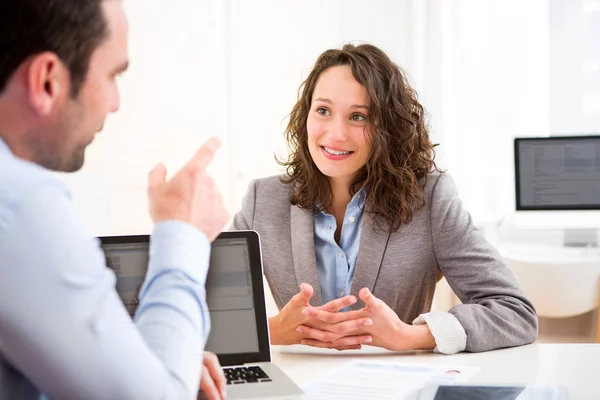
(574,365)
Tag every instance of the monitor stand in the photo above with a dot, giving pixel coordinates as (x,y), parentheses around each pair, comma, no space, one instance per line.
(580,238)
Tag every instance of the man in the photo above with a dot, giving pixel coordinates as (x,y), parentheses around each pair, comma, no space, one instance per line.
(64,332)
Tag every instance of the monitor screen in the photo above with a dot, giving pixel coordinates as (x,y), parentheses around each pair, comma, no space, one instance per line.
(229,289)
(558,173)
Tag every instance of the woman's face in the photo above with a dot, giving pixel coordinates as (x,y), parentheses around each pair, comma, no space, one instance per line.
(337,136)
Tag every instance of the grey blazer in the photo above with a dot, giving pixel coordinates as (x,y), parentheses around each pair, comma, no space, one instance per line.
(400,268)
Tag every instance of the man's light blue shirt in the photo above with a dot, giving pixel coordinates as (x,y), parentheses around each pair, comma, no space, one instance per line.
(64,331)
(336,263)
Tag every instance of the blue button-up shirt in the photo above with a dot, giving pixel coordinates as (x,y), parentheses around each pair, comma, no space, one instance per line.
(64,331)
(336,263)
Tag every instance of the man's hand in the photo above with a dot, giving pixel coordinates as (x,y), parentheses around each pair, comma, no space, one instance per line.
(190,196)
(386,329)
(213,382)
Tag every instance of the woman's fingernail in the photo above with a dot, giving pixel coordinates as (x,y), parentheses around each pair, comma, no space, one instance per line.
(368,340)
(368,322)
(306,312)
(299,329)
(352,300)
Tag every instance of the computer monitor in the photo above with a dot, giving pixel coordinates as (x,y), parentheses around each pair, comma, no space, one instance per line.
(557,182)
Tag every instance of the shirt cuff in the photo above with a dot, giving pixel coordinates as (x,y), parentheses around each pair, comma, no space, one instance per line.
(450,336)
(179,245)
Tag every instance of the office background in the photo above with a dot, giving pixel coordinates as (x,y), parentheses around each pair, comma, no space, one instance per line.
(487,71)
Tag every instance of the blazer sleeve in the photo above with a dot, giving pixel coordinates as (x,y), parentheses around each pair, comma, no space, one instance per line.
(495,312)
(244,219)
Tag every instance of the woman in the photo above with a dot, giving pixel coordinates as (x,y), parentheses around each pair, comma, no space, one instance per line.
(364,213)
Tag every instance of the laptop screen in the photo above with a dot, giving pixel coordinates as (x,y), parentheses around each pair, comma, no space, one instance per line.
(127,256)
(234,291)
(230,298)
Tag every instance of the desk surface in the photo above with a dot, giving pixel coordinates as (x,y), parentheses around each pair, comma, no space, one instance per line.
(574,365)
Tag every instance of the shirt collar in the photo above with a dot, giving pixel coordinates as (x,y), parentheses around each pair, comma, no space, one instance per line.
(360,197)
(358,200)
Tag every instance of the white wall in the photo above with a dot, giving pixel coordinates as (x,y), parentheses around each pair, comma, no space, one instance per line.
(172,99)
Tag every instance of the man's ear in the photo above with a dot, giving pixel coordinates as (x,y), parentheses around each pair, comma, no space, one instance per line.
(47,82)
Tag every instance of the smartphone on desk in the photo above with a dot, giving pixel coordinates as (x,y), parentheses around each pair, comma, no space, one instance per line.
(493,392)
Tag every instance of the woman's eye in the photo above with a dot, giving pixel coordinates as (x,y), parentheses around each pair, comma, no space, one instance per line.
(358,117)
(322,111)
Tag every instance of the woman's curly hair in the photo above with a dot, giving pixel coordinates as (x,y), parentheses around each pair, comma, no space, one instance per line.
(402,154)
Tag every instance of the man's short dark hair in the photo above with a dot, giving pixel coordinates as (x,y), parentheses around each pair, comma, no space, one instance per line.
(72,29)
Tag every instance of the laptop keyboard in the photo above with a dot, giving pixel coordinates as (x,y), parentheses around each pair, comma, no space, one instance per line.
(239,375)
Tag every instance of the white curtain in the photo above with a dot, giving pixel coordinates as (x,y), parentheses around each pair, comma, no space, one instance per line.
(489,71)
(482,70)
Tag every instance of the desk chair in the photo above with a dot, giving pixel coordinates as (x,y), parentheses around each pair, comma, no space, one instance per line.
(559,288)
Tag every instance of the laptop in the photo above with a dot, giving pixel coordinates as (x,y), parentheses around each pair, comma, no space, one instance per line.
(236,301)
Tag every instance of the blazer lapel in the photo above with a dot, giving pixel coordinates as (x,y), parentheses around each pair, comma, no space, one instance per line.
(370,255)
(303,251)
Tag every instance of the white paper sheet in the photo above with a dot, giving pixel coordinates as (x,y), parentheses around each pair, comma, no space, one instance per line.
(365,379)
